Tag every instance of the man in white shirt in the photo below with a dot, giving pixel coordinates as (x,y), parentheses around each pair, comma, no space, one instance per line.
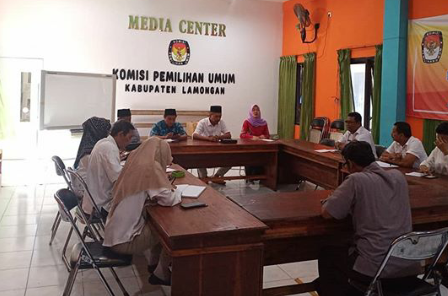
(212,129)
(437,161)
(406,150)
(104,166)
(355,132)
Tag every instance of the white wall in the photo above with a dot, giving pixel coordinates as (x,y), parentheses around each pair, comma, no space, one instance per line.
(93,36)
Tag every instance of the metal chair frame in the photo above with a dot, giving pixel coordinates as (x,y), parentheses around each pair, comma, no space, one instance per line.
(85,255)
(400,244)
(60,171)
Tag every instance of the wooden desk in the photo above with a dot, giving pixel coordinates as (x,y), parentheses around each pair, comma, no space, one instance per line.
(299,160)
(202,154)
(297,232)
(216,250)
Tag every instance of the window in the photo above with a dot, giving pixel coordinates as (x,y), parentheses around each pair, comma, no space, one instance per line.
(299,93)
(362,81)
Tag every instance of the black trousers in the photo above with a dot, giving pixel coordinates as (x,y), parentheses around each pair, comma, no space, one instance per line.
(335,268)
(252,171)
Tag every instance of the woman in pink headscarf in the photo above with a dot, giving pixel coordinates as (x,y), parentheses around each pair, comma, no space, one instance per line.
(254,127)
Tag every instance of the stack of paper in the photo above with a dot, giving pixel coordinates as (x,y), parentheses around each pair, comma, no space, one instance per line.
(416,174)
(170,170)
(385,164)
(326,150)
(191,191)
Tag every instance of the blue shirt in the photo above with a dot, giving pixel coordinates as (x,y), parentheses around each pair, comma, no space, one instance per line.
(161,129)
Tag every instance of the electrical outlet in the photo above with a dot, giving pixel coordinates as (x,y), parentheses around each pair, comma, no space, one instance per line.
(329,14)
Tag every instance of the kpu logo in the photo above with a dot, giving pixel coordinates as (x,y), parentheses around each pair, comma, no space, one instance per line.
(179,52)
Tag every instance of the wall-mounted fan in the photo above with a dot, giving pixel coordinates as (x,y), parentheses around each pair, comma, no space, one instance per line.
(303,15)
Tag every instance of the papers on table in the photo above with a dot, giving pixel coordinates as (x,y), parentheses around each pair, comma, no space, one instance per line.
(386,165)
(169,170)
(416,174)
(325,150)
(169,140)
(191,191)
(267,140)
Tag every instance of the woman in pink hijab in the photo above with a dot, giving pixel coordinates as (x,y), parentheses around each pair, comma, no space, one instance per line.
(254,127)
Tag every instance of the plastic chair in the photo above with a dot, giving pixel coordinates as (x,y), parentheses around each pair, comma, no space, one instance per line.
(319,128)
(414,246)
(337,129)
(88,255)
(60,171)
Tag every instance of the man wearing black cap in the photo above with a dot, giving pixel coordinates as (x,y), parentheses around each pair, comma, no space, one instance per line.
(168,128)
(212,129)
(125,114)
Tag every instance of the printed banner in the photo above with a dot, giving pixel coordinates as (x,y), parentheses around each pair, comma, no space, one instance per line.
(427,71)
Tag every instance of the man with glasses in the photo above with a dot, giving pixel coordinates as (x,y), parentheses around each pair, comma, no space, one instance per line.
(355,132)
(378,202)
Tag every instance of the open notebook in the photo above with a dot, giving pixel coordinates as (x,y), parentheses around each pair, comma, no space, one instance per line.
(191,191)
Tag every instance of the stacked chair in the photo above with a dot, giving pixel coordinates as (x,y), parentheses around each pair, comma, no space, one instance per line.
(85,254)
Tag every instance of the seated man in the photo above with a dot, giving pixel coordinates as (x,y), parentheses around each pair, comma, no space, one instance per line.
(378,202)
(355,132)
(125,114)
(104,166)
(212,129)
(405,151)
(168,128)
(437,161)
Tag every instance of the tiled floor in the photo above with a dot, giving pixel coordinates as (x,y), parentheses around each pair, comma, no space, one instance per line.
(29,266)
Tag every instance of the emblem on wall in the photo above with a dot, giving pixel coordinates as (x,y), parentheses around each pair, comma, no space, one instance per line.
(432,46)
(179,52)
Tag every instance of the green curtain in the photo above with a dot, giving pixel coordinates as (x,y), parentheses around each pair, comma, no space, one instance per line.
(376,100)
(345,82)
(429,134)
(307,109)
(287,96)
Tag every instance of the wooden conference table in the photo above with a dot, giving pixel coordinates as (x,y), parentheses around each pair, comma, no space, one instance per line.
(221,249)
(202,154)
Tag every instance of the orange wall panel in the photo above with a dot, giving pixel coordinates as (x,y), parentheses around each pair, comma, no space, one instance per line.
(356,24)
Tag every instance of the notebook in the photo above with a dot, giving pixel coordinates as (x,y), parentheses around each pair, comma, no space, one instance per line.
(191,191)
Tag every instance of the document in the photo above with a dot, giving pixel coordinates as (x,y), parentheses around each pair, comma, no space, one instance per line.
(416,174)
(169,170)
(267,140)
(386,165)
(191,191)
(325,150)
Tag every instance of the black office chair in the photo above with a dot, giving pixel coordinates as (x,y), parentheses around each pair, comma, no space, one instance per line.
(337,129)
(414,246)
(88,255)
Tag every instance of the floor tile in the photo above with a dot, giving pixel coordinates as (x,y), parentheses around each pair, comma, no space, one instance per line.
(16,244)
(148,289)
(301,269)
(13,279)
(95,288)
(20,292)
(17,231)
(14,260)
(48,257)
(122,272)
(19,220)
(48,276)
(54,291)
(274,273)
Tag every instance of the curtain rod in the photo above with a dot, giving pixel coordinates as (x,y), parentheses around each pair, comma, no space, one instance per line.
(361,46)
